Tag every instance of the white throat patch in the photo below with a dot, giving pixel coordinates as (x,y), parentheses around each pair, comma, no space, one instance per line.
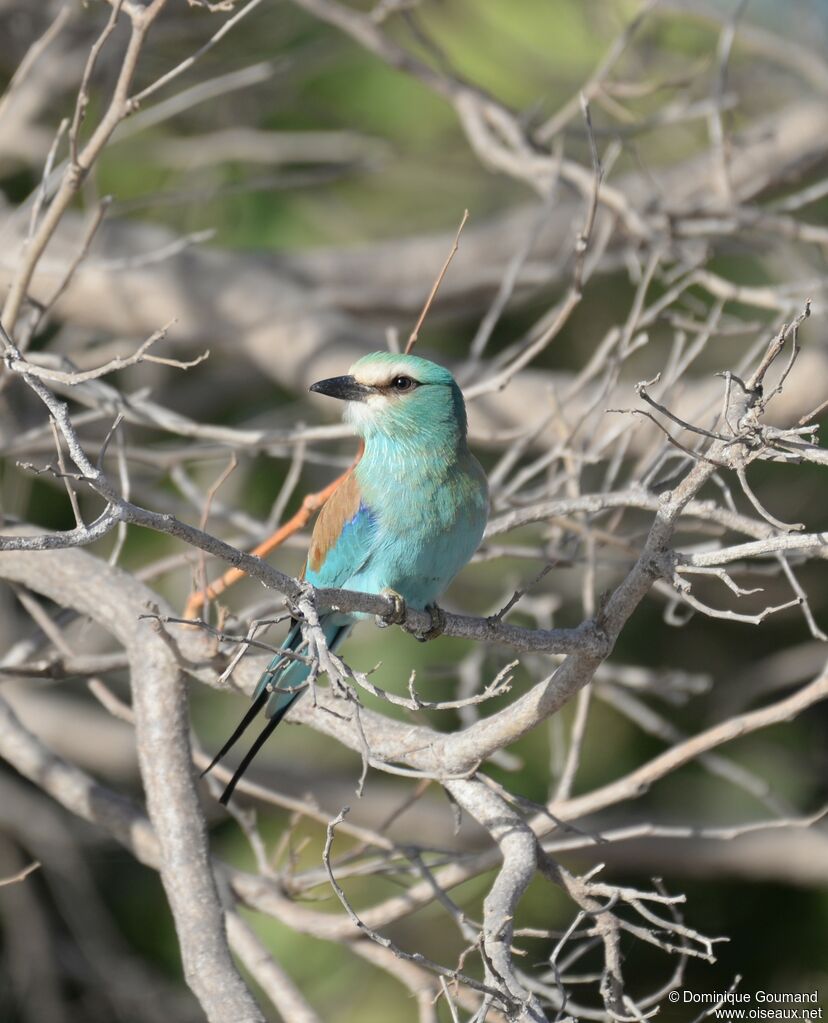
(362,414)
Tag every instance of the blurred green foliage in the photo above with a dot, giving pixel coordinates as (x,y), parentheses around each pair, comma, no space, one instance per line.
(534,54)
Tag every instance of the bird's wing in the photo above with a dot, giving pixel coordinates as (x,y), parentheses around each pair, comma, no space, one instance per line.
(343,537)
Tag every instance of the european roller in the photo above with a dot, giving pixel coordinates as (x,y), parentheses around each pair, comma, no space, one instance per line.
(403,522)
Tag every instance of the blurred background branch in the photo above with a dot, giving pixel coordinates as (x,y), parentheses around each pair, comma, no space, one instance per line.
(628,313)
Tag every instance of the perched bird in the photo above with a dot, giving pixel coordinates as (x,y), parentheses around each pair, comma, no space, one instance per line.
(403,522)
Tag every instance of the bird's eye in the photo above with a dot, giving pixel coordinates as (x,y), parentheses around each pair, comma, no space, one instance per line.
(402,383)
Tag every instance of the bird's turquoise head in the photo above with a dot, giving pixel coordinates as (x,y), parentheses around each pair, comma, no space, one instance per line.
(400,397)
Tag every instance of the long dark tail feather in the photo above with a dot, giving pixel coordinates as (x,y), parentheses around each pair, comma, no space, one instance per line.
(261,739)
(241,728)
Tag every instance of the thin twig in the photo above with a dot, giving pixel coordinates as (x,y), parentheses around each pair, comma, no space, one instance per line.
(21,875)
(415,333)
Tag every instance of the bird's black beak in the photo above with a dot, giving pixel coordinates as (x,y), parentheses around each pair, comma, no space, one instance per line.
(344,388)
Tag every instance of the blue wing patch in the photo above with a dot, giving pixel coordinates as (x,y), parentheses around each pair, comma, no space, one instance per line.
(348,554)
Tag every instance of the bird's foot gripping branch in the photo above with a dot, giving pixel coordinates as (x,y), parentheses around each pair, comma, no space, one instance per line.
(623,244)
